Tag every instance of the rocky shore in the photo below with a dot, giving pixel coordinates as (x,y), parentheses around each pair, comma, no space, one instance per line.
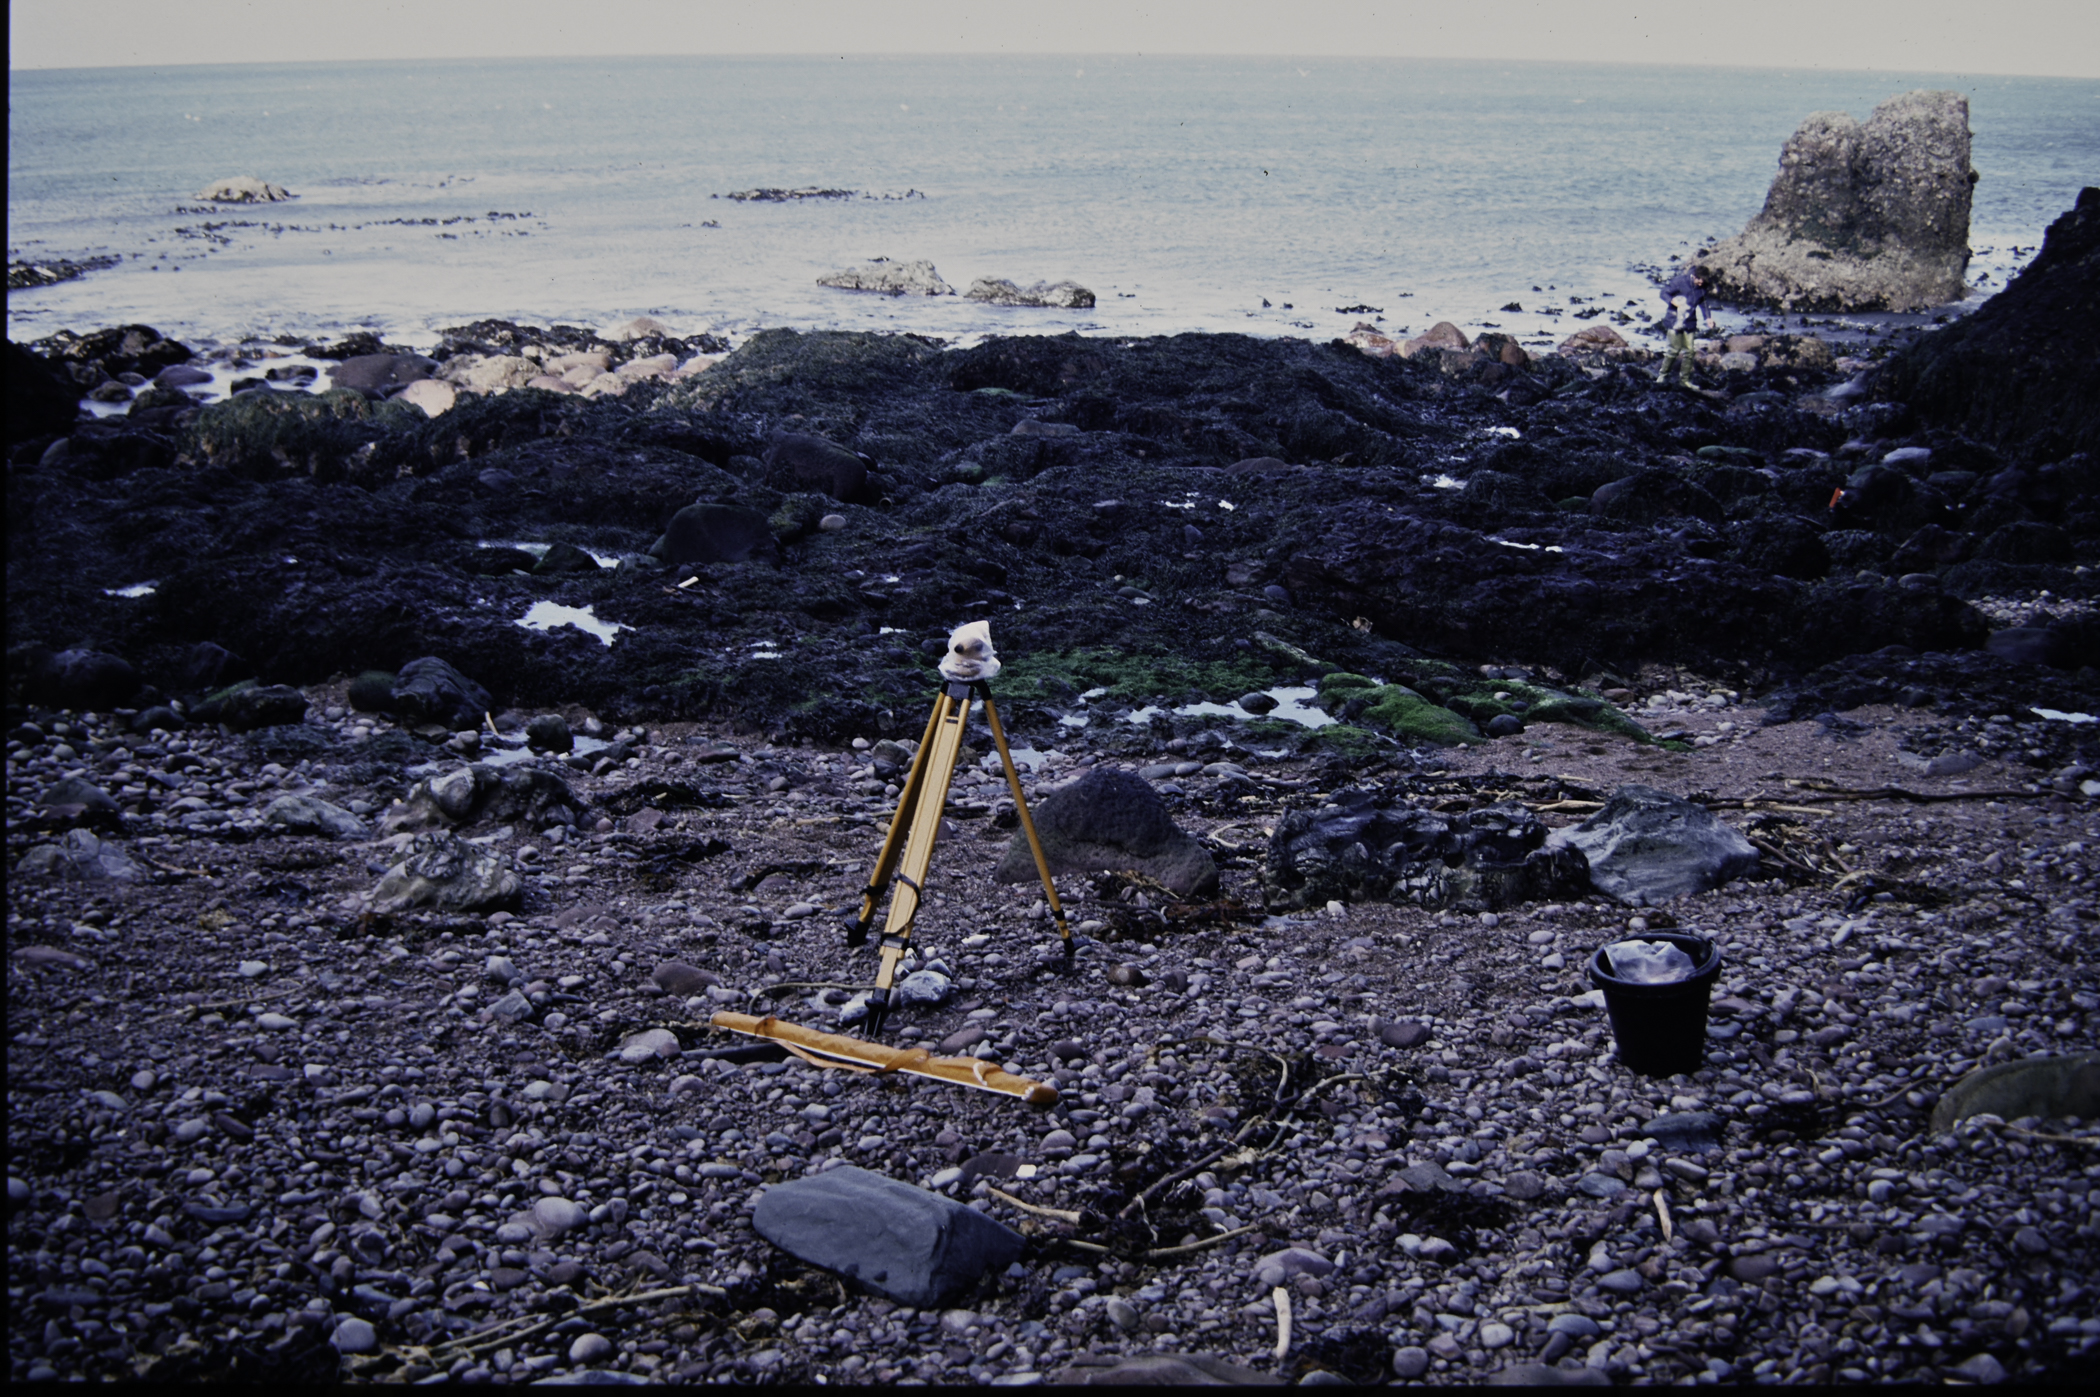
(394,793)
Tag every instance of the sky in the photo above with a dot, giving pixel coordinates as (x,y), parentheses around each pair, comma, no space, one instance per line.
(2059,38)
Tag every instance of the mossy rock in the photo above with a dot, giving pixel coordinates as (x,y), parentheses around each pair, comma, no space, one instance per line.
(372,691)
(1481,709)
(1344,740)
(268,435)
(1342,681)
(1405,712)
(798,515)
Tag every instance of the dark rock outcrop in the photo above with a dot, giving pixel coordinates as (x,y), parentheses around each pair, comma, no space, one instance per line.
(714,533)
(1860,217)
(431,690)
(1365,851)
(40,401)
(1112,821)
(80,679)
(2021,368)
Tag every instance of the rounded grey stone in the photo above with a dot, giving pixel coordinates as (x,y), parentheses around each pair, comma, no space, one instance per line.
(590,1348)
(354,1335)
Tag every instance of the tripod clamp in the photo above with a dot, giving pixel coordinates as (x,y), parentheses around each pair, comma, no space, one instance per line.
(907,851)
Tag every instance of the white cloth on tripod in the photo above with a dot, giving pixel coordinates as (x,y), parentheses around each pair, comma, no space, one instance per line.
(970,656)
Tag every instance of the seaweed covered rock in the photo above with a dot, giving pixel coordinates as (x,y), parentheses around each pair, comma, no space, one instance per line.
(267,435)
(249,705)
(714,533)
(799,461)
(2022,366)
(1363,850)
(430,690)
(1870,216)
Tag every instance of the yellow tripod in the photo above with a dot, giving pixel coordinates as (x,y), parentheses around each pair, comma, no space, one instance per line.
(908,850)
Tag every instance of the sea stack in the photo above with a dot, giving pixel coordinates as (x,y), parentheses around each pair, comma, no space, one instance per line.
(1861,217)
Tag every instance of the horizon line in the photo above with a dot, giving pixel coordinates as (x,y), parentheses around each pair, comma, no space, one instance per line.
(1060,56)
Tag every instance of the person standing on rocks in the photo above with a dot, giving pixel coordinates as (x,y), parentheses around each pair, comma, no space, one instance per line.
(1683,299)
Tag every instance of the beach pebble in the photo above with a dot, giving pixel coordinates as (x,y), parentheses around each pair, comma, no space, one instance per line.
(354,1335)
(590,1348)
(1404,1034)
(554,1216)
(648,1045)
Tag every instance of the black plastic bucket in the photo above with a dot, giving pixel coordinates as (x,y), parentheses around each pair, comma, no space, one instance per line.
(1660,1029)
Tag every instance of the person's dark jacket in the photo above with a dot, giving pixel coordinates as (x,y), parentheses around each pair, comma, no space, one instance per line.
(1694,301)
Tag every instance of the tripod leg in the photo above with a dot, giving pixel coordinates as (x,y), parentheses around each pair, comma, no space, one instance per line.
(1035,843)
(951,715)
(900,824)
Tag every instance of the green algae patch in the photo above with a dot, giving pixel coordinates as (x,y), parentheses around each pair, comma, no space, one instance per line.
(1473,701)
(1577,710)
(1406,713)
(1344,740)
(1135,678)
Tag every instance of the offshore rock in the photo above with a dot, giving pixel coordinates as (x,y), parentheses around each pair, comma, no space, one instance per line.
(1861,217)
(998,291)
(2022,365)
(1112,821)
(890,279)
(244,189)
(1363,851)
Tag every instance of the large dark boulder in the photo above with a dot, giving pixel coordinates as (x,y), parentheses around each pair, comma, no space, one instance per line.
(799,461)
(1861,217)
(903,1243)
(83,679)
(381,374)
(430,690)
(40,401)
(1112,821)
(2023,363)
(1784,544)
(715,533)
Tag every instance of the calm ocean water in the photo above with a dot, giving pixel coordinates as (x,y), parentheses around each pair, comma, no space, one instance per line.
(1185,192)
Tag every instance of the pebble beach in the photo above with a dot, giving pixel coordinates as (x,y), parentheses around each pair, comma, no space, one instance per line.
(257,1133)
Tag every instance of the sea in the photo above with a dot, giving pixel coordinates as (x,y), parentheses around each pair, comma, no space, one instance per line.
(1269,196)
